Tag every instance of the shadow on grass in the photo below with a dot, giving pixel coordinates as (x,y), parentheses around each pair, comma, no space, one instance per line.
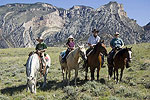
(53,85)
(12,90)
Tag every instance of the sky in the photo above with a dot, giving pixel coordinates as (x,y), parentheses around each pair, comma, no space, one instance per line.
(136,9)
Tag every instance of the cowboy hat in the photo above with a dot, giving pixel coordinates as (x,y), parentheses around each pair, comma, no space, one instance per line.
(70,37)
(39,39)
(117,33)
(94,30)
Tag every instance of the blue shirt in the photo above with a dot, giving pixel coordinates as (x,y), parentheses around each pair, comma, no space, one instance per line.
(92,40)
(116,42)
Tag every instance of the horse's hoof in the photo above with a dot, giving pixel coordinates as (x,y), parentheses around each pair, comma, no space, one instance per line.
(92,79)
(86,79)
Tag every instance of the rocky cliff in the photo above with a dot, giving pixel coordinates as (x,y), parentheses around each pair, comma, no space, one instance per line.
(21,24)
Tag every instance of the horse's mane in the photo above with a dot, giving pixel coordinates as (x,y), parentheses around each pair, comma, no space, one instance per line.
(73,51)
(120,52)
(96,46)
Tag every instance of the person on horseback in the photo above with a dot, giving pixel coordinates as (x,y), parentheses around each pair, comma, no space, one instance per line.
(40,50)
(92,41)
(70,46)
(116,44)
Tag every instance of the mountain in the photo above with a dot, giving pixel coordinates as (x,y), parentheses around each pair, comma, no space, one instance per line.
(21,24)
(147,30)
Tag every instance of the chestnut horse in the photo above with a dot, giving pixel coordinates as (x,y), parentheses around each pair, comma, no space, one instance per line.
(94,59)
(120,60)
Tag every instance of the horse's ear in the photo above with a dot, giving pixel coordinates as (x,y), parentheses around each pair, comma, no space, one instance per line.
(83,45)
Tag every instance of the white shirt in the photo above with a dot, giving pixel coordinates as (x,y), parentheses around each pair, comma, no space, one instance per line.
(92,40)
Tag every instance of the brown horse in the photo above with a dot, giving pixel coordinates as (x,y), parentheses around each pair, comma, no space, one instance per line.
(94,59)
(120,60)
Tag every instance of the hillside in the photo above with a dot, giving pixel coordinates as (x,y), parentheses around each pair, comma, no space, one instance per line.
(135,84)
(21,24)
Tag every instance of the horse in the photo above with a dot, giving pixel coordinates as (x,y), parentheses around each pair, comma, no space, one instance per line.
(72,62)
(120,60)
(94,59)
(32,69)
(63,65)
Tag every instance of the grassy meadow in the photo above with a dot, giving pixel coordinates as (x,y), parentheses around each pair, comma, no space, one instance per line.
(135,84)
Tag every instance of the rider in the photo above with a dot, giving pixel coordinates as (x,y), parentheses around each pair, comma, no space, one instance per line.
(70,46)
(116,44)
(40,49)
(92,41)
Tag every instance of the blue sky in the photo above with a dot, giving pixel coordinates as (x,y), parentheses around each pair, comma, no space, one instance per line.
(136,9)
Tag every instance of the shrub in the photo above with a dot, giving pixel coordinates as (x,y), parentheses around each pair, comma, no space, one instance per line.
(2,97)
(113,98)
(40,98)
(86,97)
(72,92)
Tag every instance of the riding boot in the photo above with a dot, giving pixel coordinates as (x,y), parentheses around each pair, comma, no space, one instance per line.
(112,53)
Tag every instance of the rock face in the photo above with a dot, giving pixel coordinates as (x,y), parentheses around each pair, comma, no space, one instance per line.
(21,24)
(147,30)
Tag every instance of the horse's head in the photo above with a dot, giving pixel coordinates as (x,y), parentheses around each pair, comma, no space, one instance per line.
(31,82)
(82,52)
(129,55)
(101,47)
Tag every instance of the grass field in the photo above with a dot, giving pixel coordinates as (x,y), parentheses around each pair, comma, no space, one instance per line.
(135,84)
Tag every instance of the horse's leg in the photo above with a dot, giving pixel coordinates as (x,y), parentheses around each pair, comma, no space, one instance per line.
(45,76)
(66,74)
(44,83)
(117,75)
(35,88)
(69,77)
(86,72)
(35,85)
(121,74)
(63,74)
(76,75)
(114,74)
(109,72)
(27,86)
(92,74)
(98,70)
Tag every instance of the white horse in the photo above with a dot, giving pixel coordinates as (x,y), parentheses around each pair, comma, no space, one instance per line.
(32,69)
(73,62)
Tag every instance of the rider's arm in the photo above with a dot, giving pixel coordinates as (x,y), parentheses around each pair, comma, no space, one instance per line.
(90,45)
(89,42)
(111,44)
(122,43)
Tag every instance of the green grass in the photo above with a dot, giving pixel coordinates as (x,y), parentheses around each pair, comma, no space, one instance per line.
(135,84)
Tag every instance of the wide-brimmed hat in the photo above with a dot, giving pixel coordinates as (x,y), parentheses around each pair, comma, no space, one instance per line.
(70,37)
(39,39)
(117,33)
(94,30)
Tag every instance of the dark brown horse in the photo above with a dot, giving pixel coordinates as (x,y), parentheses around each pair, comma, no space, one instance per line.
(120,60)
(94,59)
